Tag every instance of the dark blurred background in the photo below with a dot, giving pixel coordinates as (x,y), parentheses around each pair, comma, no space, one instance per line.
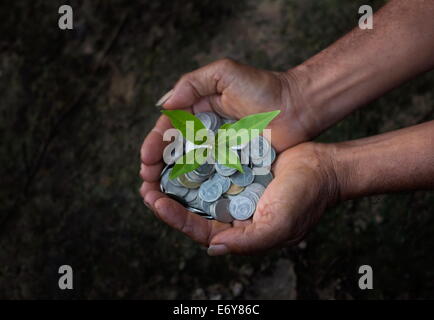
(76,105)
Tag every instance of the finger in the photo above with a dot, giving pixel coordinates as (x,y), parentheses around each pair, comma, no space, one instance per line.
(241,223)
(150,194)
(153,146)
(266,230)
(210,103)
(194,226)
(151,173)
(209,80)
(202,105)
(151,197)
(248,239)
(146,187)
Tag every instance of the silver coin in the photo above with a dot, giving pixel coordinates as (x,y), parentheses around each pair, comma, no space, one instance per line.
(213,117)
(195,210)
(267,160)
(259,147)
(166,183)
(228,121)
(205,206)
(241,208)
(230,197)
(245,155)
(167,167)
(204,170)
(251,195)
(192,176)
(191,195)
(224,181)
(243,178)
(186,182)
(220,211)
(216,121)
(210,120)
(171,188)
(176,182)
(224,171)
(205,118)
(175,190)
(210,191)
(196,203)
(200,213)
(257,188)
(164,177)
(172,154)
(262,162)
(257,171)
(264,179)
(273,154)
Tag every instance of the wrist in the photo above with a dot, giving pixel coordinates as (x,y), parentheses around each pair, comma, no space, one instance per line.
(297,108)
(318,159)
(308,99)
(396,161)
(337,165)
(342,164)
(324,91)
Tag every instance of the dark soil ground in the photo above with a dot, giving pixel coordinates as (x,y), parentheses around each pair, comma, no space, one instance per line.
(76,105)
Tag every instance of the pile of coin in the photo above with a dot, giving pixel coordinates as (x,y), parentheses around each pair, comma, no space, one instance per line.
(215,191)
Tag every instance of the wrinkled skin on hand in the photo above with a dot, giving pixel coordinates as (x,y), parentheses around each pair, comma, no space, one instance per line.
(234,90)
(304,185)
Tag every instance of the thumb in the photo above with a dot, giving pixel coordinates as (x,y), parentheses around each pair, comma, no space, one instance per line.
(247,239)
(209,80)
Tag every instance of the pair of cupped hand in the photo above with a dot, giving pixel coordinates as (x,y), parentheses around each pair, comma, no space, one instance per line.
(304,181)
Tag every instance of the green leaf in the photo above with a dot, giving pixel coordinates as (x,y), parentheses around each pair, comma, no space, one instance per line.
(257,121)
(253,124)
(225,126)
(227,157)
(179,119)
(242,136)
(216,137)
(182,167)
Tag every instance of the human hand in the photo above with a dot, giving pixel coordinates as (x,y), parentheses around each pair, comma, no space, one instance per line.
(234,90)
(304,185)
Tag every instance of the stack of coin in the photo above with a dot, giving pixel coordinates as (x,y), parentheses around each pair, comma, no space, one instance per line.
(219,192)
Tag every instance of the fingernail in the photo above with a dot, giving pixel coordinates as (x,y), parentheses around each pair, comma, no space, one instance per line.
(217,250)
(164,98)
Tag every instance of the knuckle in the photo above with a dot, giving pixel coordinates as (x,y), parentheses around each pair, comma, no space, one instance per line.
(186,77)
(142,190)
(187,226)
(143,175)
(143,151)
(226,63)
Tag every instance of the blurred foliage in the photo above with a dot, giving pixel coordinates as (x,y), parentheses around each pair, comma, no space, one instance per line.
(76,106)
